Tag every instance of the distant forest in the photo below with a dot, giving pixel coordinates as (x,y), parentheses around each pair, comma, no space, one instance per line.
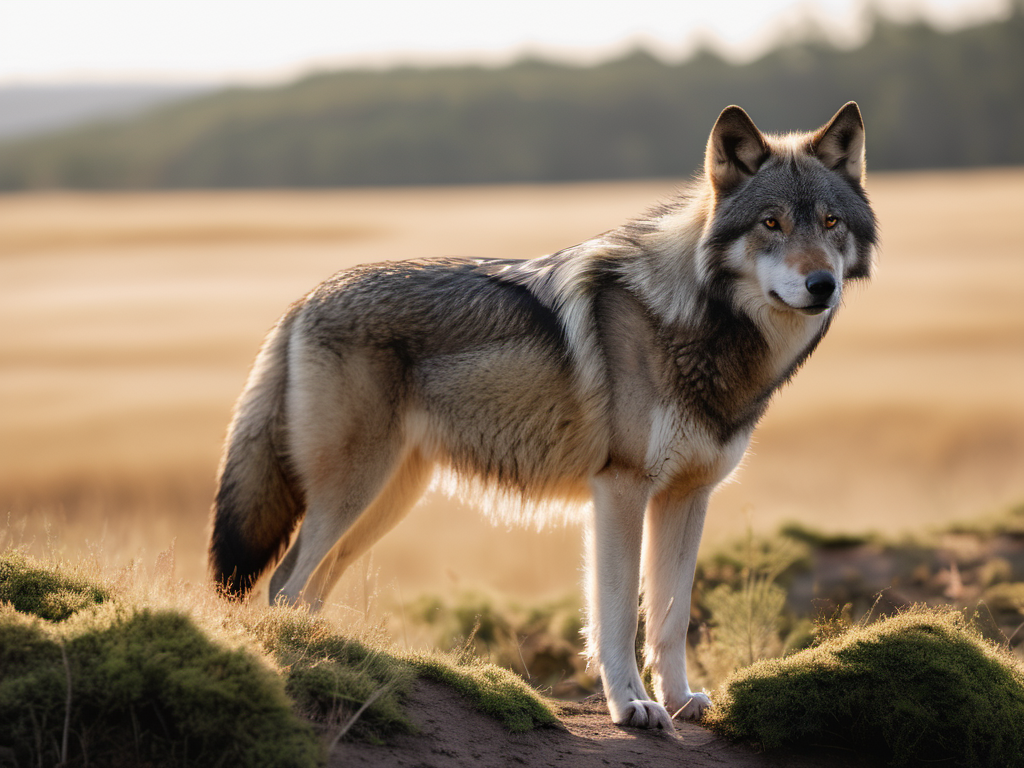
(930,100)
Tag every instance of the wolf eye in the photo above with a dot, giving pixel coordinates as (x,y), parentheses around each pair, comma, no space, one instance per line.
(771,223)
(830,221)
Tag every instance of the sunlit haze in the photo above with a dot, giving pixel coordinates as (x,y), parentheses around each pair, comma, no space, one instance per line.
(80,41)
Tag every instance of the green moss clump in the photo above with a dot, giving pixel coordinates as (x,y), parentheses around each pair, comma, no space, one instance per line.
(147,688)
(920,687)
(495,690)
(87,680)
(46,592)
(153,688)
(330,677)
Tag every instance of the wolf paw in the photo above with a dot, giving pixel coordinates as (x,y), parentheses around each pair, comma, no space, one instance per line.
(645,714)
(692,708)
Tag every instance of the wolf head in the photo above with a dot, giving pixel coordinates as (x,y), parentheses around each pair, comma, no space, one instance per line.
(790,220)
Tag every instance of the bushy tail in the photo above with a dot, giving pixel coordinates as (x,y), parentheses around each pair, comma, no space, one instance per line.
(259,500)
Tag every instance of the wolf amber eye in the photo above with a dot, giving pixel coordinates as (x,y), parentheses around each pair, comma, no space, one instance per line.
(830,221)
(771,223)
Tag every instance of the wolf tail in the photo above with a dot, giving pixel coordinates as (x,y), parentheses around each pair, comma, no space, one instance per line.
(259,500)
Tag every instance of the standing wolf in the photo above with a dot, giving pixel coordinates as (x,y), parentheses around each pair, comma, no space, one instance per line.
(628,371)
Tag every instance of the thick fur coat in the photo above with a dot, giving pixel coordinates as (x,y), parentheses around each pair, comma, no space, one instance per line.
(623,376)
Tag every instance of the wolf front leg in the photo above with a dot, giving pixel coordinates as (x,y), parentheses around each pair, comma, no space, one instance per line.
(613,596)
(672,537)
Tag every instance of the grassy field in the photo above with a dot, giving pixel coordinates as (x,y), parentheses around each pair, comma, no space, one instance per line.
(130,322)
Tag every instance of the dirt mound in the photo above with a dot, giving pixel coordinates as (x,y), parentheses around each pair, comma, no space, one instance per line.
(454,735)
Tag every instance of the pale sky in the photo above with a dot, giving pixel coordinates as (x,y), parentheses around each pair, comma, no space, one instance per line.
(59,41)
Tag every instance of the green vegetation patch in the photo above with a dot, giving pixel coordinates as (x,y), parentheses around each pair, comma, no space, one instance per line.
(87,676)
(122,686)
(820,539)
(346,683)
(337,681)
(540,642)
(86,679)
(1008,523)
(47,592)
(492,689)
(922,686)
(332,677)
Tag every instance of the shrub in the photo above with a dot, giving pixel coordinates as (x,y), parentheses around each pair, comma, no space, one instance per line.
(47,592)
(540,643)
(918,687)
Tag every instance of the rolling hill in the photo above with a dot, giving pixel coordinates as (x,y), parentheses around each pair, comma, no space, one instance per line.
(930,99)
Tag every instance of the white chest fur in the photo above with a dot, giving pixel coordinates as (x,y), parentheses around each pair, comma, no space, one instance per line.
(681,450)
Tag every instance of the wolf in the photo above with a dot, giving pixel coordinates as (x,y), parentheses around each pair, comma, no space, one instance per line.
(623,375)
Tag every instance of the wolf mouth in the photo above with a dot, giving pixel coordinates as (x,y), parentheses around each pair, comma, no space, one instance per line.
(810,309)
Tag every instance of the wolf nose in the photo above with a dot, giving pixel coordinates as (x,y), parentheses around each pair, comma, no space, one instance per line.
(820,284)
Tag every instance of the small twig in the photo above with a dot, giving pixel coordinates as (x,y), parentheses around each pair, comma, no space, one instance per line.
(38,732)
(135,732)
(1010,638)
(352,720)
(67,708)
(679,711)
(366,587)
(405,623)
(526,669)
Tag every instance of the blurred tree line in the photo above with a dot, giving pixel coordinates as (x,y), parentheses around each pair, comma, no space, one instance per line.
(930,99)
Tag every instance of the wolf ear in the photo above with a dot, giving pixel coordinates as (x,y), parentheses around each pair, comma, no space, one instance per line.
(840,143)
(735,150)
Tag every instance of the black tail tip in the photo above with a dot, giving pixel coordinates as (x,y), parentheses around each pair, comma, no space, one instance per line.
(234,587)
(231,581)
(235,563)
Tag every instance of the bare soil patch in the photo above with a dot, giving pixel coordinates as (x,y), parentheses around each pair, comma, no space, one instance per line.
(453,735)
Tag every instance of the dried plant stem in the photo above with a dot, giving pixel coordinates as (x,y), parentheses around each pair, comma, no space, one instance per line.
(67,707)
(352,720)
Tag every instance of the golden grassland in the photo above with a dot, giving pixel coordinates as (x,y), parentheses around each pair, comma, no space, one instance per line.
(130,321)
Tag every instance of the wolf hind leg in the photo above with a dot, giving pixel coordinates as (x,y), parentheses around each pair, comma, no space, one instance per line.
(331,511)
(400,492)
(673,531)
(284,569)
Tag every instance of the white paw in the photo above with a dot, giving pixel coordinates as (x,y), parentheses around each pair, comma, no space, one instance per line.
(692,708)
(644,714)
